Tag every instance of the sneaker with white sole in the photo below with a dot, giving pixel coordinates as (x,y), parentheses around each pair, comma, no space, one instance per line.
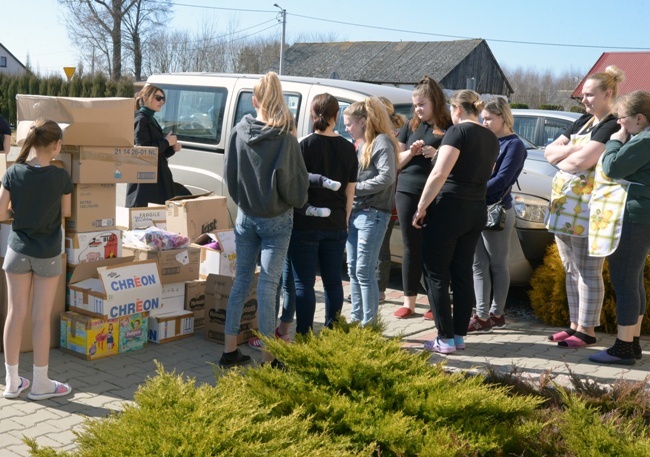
(476,325)
(256,343)
(441,345)
(497,322)
(459,342)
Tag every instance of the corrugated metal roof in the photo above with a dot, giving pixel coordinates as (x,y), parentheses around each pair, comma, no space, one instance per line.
(636,66)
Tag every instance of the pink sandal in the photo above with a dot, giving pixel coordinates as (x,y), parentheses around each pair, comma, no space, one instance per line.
(60,390)
(559,336)
(575,342)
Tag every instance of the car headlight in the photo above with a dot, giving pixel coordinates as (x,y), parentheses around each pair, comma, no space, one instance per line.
(531,209)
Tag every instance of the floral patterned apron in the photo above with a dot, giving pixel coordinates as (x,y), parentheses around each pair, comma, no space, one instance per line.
(570,194)
(606,210)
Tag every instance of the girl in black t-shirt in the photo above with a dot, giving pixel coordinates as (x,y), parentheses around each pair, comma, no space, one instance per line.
(39,194)
(419,141)
(452,214)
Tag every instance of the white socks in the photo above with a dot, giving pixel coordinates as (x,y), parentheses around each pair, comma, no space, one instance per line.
(41,383)
(315,211)
(12,380)
(331,184)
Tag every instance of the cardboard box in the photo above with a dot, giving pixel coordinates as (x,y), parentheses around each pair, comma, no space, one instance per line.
(85,121)
(198,214)
(217,291)
(135,218)
(172,299)
(171,326)
(57,308)
(174,265)
(111,165)
(195,301)
(89,337)
(7,159)
(134,331)
(93,208)
(115,287)
(92,246)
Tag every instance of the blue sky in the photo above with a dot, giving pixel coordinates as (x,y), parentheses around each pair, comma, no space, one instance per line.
(576,32)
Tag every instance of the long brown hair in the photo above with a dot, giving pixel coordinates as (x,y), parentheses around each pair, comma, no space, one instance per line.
(42,134)
(377,122)
(429,88)
(324,109)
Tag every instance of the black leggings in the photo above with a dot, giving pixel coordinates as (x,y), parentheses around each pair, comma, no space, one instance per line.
(407,204)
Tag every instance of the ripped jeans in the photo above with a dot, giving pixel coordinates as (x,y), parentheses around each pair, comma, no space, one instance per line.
(365,234)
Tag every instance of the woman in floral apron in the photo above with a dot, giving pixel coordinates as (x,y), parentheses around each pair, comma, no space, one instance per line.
(576,153)
(626,158)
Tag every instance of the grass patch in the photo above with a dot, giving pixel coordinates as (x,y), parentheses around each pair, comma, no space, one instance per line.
(351,392)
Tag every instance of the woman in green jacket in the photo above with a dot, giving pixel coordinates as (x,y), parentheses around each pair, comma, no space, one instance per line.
(627,157)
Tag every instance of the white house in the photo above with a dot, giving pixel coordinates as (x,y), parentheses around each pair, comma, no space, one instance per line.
(9,64)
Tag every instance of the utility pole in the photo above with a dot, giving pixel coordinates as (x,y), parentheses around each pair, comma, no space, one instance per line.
(283,15)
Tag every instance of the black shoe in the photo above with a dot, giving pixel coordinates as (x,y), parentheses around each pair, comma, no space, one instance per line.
(231,359)
(275,363)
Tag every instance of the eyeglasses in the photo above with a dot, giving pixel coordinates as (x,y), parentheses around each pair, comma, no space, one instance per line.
(160,98)
(623,117)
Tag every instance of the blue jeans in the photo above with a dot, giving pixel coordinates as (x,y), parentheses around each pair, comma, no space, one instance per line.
(286,290)
(308,250)
(271,236)
(365,235)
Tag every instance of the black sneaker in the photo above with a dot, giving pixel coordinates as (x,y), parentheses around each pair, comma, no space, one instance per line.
(231,359)
(275,363)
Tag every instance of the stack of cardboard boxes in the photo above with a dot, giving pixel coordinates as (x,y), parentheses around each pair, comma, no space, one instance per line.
(114,298)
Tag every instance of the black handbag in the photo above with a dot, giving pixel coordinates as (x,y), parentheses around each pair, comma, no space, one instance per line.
(496,217)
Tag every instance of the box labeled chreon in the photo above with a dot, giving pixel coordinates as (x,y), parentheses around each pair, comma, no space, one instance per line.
(115,287)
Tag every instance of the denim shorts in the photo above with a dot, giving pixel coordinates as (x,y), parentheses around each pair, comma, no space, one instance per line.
(21,264)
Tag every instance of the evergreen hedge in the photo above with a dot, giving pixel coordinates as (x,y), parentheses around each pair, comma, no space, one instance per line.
(350,392)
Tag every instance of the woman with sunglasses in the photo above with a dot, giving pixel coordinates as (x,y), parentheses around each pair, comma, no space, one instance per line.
(149,133)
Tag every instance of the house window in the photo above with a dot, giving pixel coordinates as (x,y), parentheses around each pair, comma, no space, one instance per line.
(3,62)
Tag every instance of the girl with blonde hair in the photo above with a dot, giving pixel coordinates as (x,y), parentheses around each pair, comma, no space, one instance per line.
(369,125)
(576,153)
(266,177)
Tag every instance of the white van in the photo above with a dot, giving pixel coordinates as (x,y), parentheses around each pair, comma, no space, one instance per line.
(202,108)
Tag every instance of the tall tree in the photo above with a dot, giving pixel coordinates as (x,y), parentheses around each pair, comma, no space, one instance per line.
(104,19)
(143,19)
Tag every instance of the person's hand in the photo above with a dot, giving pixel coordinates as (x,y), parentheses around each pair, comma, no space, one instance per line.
(177,147)
(171,139)
(429,152)
(416,148)
(622,135)
(418,218)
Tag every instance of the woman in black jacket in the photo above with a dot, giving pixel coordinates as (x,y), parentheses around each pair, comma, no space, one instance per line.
(149,133)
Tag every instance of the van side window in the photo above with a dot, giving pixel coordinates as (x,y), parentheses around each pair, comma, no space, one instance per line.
(245,105)
(195,114)
(340,124)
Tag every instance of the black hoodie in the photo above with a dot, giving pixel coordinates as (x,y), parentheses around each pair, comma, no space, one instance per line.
(264,169)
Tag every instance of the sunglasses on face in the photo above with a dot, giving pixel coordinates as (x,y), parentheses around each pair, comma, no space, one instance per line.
(160,98)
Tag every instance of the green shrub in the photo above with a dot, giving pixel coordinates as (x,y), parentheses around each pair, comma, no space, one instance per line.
(518,106)
(548,294)
(350,392)
(548,106)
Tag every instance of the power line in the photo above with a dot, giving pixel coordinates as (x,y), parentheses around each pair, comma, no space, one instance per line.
(376,27)
(468,38)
